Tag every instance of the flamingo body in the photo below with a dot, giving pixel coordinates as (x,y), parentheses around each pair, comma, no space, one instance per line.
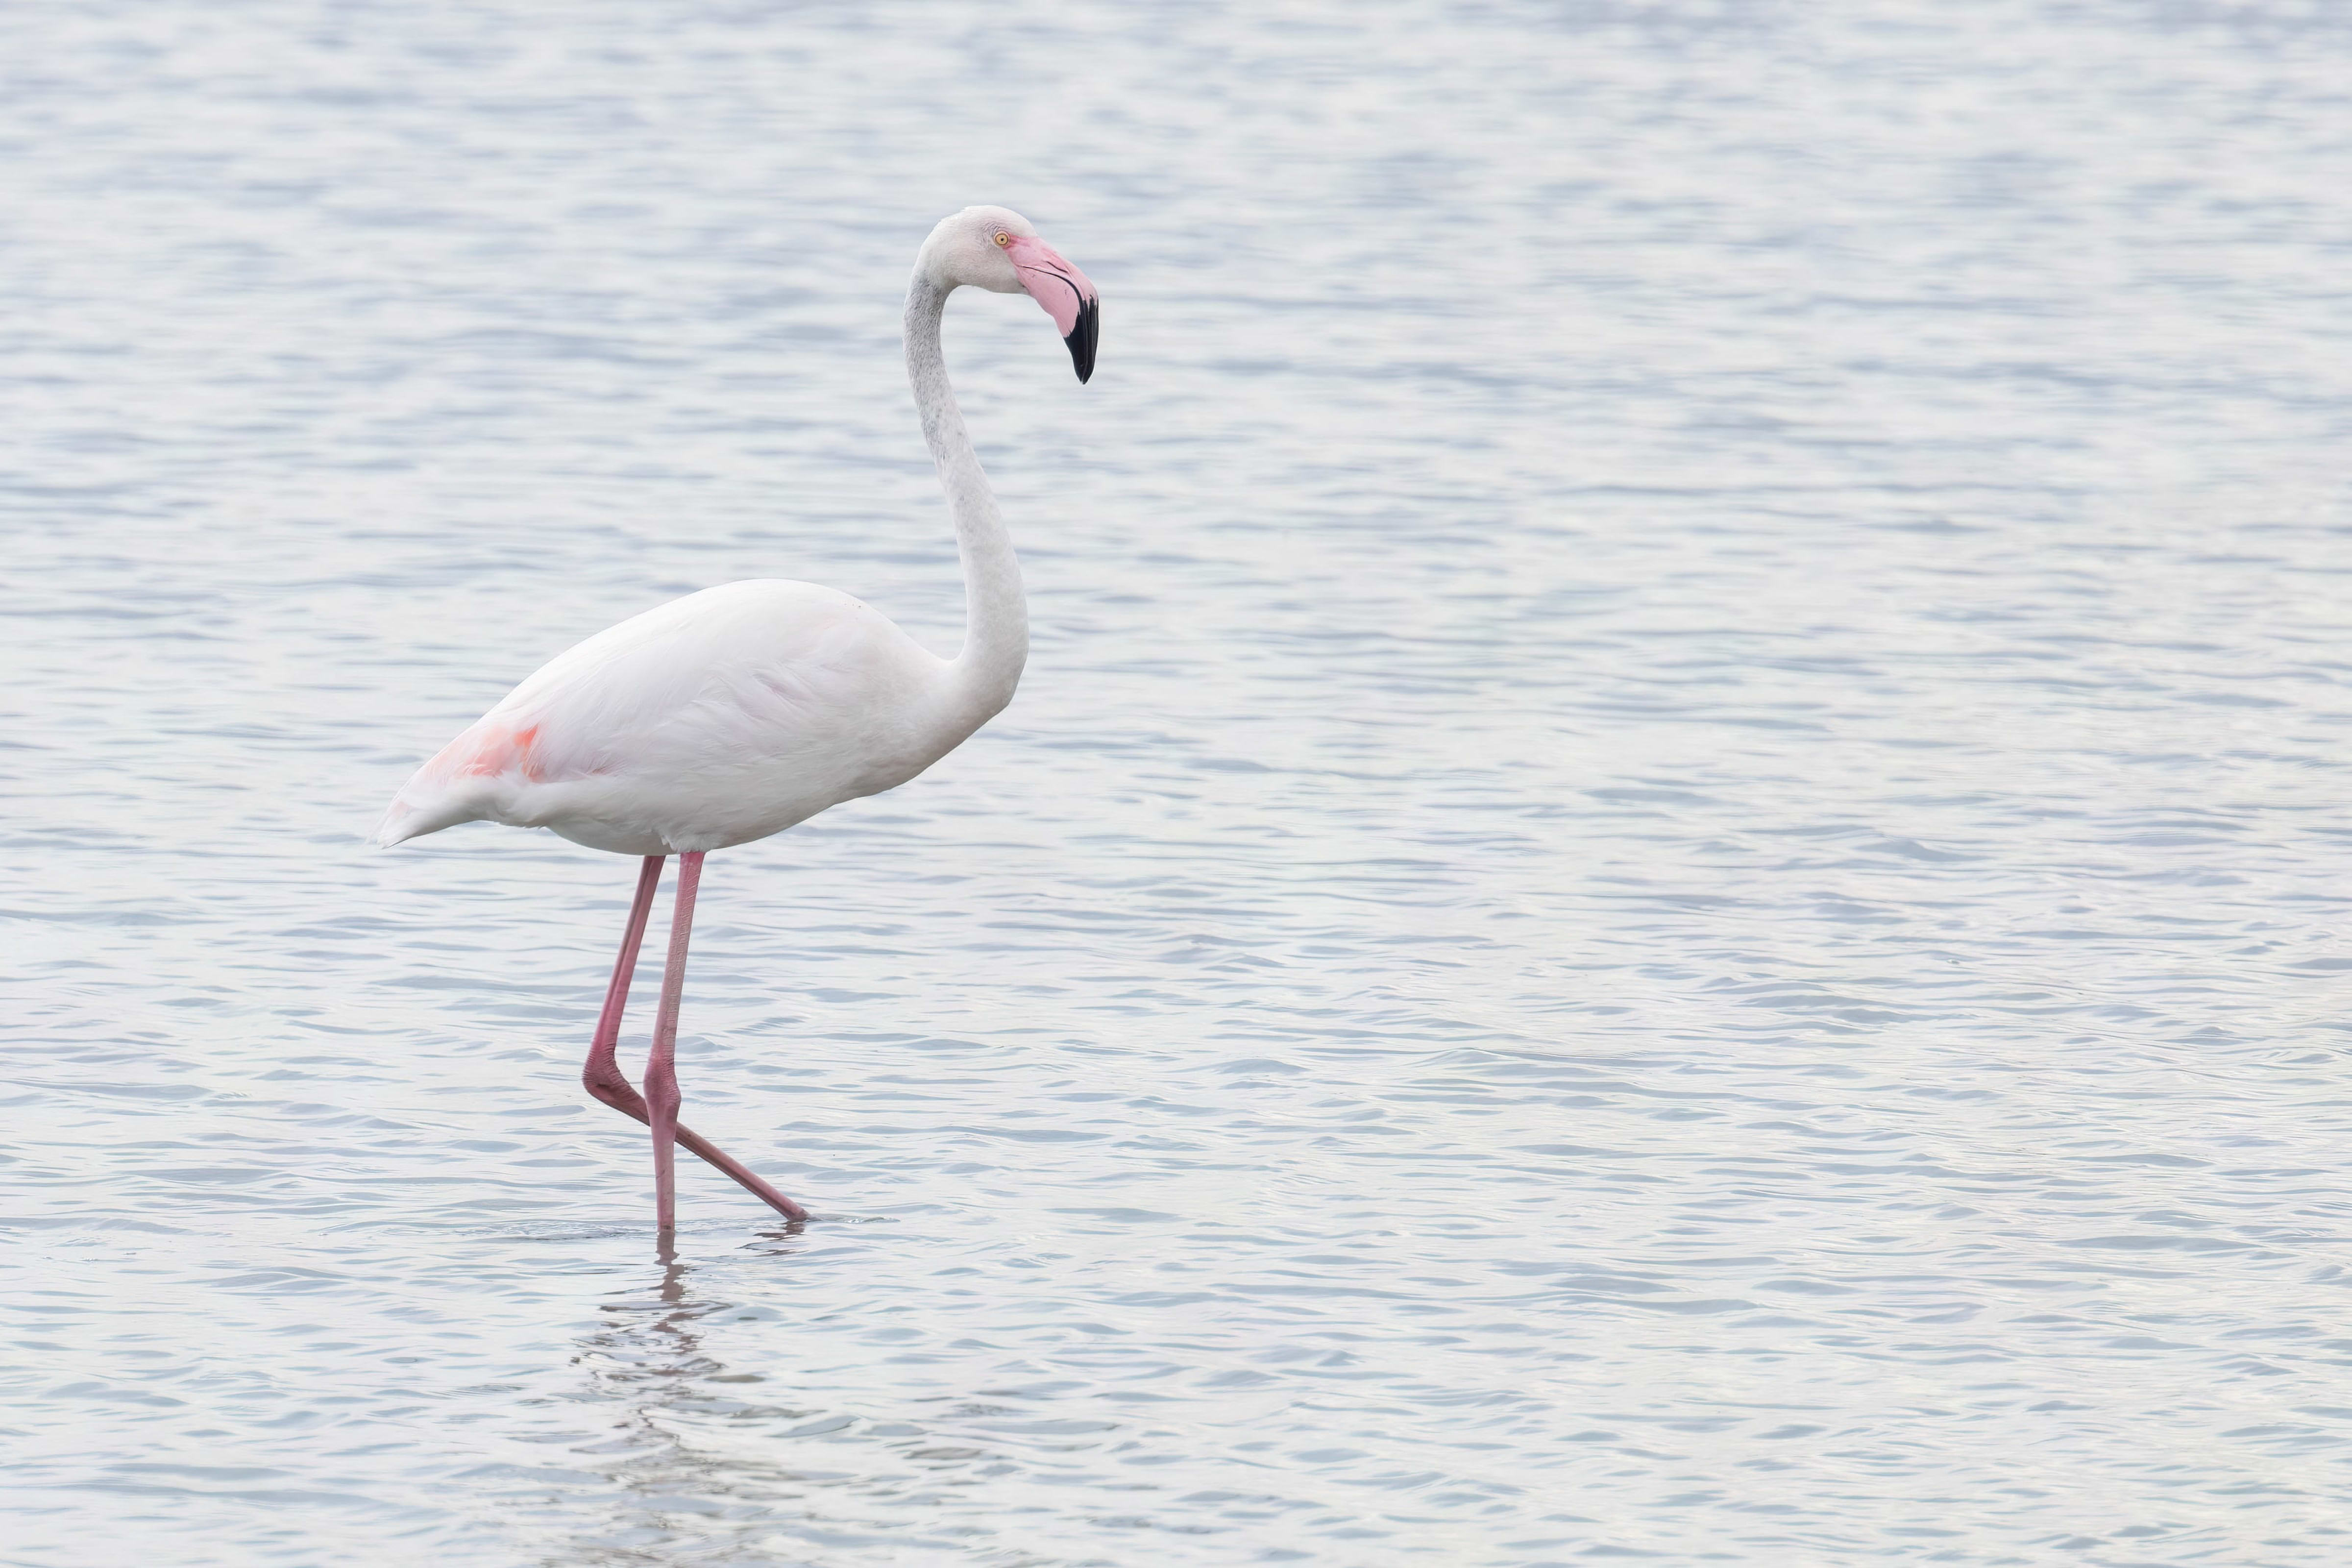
(709,722)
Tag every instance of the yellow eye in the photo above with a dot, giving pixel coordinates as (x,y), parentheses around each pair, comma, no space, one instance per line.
(1002,237)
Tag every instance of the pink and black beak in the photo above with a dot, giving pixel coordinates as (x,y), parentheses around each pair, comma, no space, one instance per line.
(1065,293)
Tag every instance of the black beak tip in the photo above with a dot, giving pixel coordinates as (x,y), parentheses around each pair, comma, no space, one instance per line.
(1082,338)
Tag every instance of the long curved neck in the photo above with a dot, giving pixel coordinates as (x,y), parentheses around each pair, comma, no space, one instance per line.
(996,618)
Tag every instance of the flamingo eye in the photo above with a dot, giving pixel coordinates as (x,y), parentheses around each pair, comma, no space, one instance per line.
(1002,237)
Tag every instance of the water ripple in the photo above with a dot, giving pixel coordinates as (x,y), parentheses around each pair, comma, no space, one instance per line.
(1666,885)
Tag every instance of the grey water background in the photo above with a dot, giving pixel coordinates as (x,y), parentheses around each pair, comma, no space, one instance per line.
(1670,883)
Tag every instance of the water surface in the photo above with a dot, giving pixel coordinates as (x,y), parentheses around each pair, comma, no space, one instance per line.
(1669,883)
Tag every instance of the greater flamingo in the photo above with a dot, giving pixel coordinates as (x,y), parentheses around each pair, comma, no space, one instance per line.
(735,712)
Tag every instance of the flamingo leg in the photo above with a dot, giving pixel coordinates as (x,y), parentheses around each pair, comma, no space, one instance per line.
(662,1099)
(603,1075)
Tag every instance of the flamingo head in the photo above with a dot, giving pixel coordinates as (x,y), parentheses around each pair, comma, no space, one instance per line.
(997,249)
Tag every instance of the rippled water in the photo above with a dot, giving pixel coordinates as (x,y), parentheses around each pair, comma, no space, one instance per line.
(1670,882)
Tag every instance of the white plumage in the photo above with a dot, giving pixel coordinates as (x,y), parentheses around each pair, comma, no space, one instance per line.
(706,722)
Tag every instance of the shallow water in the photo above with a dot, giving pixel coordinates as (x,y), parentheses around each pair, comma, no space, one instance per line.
(1670,880)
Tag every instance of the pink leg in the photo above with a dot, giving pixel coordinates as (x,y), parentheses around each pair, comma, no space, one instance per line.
(603,1072)
(662,1099)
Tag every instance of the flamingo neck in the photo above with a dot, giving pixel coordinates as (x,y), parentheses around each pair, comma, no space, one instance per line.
(996,618)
